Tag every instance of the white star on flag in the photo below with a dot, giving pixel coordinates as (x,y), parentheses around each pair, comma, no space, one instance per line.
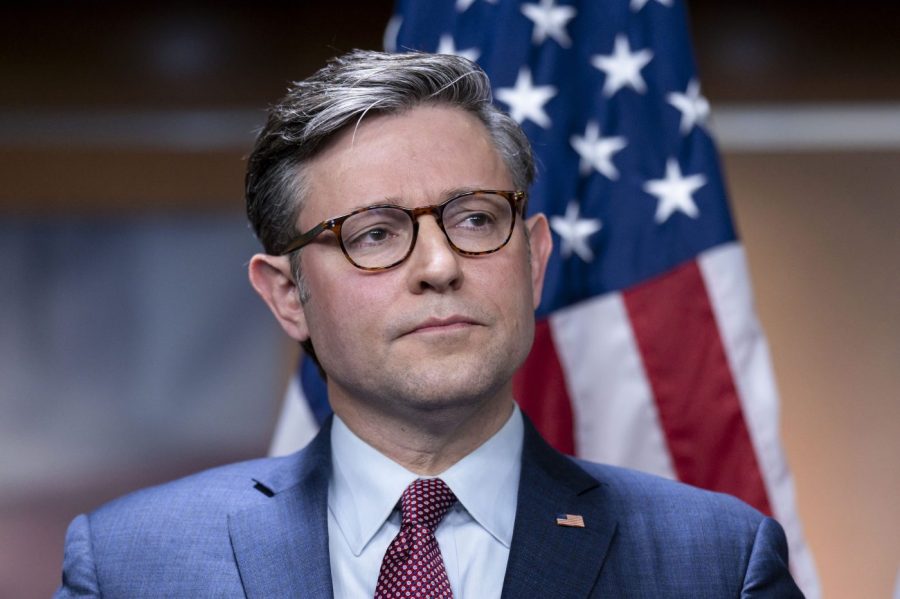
(549,21)
(574,231)
(637,5)
(447,46)
(463,5)
(622,67)
(596,152)
(675,192)
(526,101)
(693,106)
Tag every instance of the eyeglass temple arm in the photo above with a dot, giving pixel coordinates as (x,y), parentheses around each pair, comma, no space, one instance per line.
(307,237)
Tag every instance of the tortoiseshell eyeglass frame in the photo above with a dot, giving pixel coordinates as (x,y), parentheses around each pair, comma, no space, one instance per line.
(517,203)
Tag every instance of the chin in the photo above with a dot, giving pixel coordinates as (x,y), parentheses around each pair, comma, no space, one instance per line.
(454,384)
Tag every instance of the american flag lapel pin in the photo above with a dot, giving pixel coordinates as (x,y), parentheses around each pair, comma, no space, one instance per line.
(573,520)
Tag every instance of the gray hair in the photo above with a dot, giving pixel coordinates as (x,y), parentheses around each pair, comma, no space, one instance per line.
(343,92)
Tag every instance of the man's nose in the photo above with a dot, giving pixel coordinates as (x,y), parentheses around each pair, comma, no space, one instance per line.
(434,264)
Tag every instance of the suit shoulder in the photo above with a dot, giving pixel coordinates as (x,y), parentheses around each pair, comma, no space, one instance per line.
(639,492)
(203,495)
(180,533)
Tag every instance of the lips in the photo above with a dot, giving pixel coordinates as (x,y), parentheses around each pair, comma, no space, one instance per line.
(438,325)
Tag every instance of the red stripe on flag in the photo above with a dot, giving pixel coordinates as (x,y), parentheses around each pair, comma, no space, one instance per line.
(540,389)
(698,403)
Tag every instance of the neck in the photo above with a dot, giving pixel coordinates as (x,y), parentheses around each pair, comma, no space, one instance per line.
(429,441)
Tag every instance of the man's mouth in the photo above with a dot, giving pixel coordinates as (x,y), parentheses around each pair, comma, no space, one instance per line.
(443,325)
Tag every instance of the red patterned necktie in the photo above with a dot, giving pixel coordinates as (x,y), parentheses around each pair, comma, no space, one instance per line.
(412,565)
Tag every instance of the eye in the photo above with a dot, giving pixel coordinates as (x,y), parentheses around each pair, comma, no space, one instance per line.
(375,229)
(376,235)
(476,213)
(371,237)
(476,220)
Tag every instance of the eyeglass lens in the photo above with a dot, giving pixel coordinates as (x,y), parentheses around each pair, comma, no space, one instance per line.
(381,236)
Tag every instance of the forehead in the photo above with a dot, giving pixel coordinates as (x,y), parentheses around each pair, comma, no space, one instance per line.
(412,158)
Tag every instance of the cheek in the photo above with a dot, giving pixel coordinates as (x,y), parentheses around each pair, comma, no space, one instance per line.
(509,289)
(343,314)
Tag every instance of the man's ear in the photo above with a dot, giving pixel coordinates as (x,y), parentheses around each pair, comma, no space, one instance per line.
(271,277)
(541,245)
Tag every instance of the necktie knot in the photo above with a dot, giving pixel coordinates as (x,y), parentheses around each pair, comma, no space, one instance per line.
(425,502)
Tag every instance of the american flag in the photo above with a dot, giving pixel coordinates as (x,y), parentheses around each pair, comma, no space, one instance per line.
(647,351)
(573,520)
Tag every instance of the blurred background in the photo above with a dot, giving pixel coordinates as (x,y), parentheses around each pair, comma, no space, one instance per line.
(133,351)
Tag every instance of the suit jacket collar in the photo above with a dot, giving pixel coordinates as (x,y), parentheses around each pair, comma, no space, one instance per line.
(546,559)
(281,545)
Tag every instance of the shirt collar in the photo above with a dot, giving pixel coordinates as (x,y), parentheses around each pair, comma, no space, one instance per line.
(366,485)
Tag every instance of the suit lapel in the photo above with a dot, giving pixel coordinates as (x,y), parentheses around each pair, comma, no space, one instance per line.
(545,559)
(281,546)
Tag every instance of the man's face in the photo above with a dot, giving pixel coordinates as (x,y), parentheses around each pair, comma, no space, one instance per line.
(440,329)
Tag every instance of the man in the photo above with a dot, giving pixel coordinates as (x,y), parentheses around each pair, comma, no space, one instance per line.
(389,195)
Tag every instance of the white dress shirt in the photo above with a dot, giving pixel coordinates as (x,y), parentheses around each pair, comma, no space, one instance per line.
(474,536)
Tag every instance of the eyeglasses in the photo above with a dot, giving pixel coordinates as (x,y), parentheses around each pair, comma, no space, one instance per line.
(382,236)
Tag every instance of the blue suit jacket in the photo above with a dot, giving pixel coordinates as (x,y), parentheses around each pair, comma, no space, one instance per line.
(259,530)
